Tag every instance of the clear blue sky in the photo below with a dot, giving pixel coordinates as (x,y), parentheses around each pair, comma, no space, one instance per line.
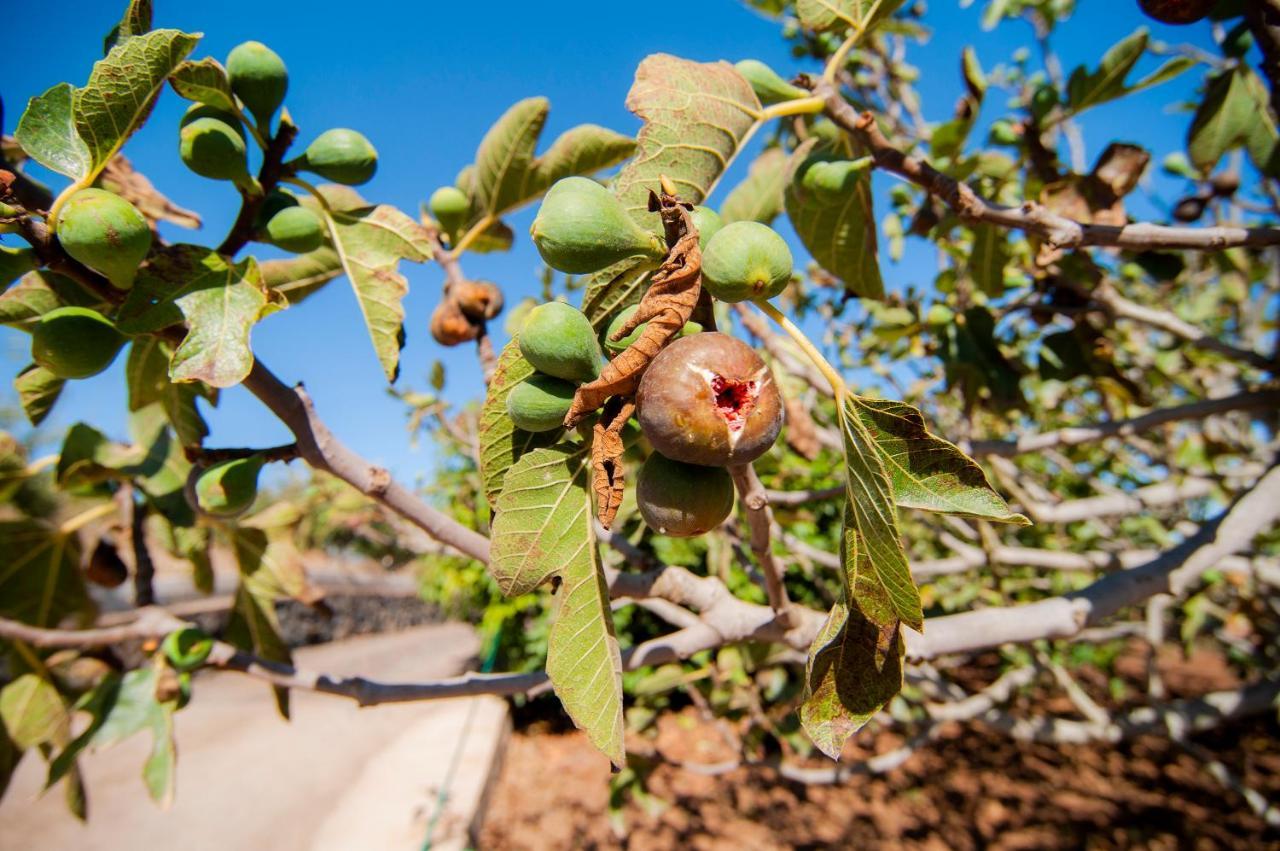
(423,81)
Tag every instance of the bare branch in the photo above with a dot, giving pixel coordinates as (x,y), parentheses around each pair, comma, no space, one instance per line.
(760,521)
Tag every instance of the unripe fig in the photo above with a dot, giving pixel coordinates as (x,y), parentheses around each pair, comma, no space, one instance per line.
(1177,11)
(450,206)
(450,326)
(746,260)
(276,200)
(106,233)
(187,648)
(203,110)
(213,149)
(14,263)
(618,321)
(227,489)
(479,301)
(540,402)
(295,229)
(709,399)
(259,78)
(683,500)
(766,83)
(341,155)
(558,339)
(708,223)
(75,342)
(582,227)
(833,179)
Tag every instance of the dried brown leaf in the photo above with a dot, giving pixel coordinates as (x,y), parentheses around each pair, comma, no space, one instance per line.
(608,478)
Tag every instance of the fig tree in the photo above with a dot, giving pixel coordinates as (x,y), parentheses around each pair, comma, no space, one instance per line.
(295,229)
(259,78)
(708,223)
(213,149)
(582,227)
(683,500)
(75,342)
(450,206)
(341,155)
(227,489)
(768,86)
(106,233)
(709,399)
(558,339)
(540,402)
(619,320)
(746,260)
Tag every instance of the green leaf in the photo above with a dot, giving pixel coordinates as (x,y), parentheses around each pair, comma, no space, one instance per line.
(36,294)
(987,259)
(298,277)
(543,528)
(873,543)
(822,15)
(38,389)
(121,710)
(926,471)
(1234,112)
(501,443)
(759,197)
(40,579)
(838,228)
(615,288)
(32,711)
(47,132)
(136,21)
(147,377)
(696,117)
(204,81)
(253,626)
(581,150)
(220,303)
(159,772)
(370,243)
(1105,83)
(88,457)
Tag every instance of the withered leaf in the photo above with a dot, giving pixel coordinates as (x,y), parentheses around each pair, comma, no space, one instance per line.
(608,479)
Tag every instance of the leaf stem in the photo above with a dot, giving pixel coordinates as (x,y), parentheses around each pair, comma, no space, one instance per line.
(72,524)
(836,62)
(249,125)
(51,221)
(838,388)
(472,234)
(799,106)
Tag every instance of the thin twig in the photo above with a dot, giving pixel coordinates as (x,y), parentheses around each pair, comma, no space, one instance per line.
(760,521)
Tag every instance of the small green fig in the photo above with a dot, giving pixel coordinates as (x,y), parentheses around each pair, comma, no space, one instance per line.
(259,78)
(15,262)
(295,229)
(746,260)
(619,320)
(106,233)
(277,199)
(75,342)
(766,83)
(540,402)
(228,489)
(582,227)
(1004,132)
(450,206)
(187,648)
(708,223)
(213,149)
(832,179)
(341,155)
(203,110)
(558,339)
(683,500)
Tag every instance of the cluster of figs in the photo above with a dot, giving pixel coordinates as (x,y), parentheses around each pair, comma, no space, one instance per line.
(108,234)
(706,402)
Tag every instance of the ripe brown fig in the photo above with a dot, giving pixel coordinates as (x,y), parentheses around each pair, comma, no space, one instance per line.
(1177,11)
(105,567)
(709,399)
(683,500)
(479,300)
(450,326)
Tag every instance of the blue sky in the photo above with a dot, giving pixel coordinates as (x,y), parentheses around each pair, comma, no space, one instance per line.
(424,81)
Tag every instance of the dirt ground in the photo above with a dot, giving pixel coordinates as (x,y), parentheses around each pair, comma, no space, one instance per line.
(971,788)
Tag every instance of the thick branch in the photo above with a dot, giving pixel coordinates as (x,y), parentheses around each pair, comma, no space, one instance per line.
(1057,230)
(242,230)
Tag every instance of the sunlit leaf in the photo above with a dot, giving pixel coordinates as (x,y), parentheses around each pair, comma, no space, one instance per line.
(204,81)
(501,443)
(759,197)
(32,711)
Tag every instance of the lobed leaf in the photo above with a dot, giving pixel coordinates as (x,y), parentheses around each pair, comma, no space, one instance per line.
(40,579)
(47,132)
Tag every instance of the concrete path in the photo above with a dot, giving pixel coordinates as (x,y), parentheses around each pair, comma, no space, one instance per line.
(336,777)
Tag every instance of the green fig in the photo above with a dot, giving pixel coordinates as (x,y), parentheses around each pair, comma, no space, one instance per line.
(582,227)
(259,79)
(75,342)
(213,149)
(768,86)
(558,339)
(203,110)
(832,179)
(106,233)
(1004,132)
(621,319)
(228,489)
(540,402)
(683,500)
(295,229)
(277,199)
(450,206)
(15,262)
(708,223)
(187,648)
(746,260)
(341,155)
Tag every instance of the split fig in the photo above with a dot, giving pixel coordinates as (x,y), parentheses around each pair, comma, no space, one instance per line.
(213,149)
(540,402)
(708,223)
(618,321)
(450,206)
(709,399)
(341,155)
(746,260)
(480,301)
(450,326)
(582,227)
(295,229)
(259,78)
(769,87)
(683,500)
(106,233)
(227,489)
(558,339)
(75,342)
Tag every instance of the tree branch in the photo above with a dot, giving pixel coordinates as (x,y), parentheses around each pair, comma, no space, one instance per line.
(760,522)
(269,174)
